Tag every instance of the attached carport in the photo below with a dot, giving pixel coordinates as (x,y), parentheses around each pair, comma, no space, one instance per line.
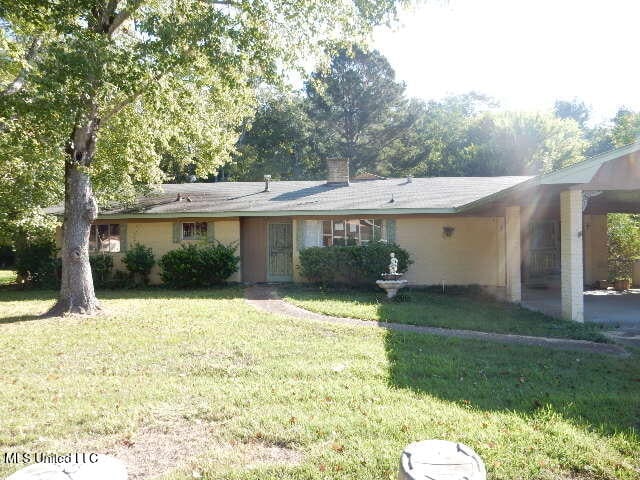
(568,251)
(609,183)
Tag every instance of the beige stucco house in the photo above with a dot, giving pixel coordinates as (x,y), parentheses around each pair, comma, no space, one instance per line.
(498,232)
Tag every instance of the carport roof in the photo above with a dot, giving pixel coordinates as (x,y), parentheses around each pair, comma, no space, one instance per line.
(583,172)
(580,173)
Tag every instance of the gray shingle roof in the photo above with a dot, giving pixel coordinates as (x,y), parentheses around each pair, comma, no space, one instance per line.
(438,194)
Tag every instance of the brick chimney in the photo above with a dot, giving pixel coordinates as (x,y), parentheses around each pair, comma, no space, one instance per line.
(337,171)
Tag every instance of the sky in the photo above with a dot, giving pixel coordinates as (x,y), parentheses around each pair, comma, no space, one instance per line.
(524,53)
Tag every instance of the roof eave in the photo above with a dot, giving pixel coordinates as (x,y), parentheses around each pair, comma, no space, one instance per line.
(280,213)
(583,172)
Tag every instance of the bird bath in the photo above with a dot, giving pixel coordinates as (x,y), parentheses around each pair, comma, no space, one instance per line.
(391,282)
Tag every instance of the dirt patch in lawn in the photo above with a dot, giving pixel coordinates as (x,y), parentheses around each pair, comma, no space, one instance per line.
(154,451)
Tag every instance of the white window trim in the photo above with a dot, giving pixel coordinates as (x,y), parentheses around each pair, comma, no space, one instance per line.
(94,230)
(195,237)
(346,221)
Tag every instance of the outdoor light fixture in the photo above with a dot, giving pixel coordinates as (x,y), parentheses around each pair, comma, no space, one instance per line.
(448,231)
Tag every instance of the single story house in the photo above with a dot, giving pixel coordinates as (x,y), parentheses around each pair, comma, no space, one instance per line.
(498,232)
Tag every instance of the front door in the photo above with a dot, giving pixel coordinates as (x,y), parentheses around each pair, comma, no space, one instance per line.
(280,252)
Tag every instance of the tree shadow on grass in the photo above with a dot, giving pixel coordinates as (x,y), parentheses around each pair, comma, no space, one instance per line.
(229,292)
(225,292)
(25,295)
(597,391)
(19,318)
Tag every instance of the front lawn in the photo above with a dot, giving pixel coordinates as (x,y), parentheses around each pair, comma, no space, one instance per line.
(458,311)
(7,276)
(202,381)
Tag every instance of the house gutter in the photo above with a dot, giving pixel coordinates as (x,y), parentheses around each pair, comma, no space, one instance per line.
(281,213)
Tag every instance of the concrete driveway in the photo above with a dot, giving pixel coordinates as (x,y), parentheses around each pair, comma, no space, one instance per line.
(620,310)
(602,306)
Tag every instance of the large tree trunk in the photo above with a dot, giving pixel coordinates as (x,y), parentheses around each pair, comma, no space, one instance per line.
(80,210)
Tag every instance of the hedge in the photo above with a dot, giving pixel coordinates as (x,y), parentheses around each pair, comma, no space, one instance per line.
(196,266)
(353,264)
(101,268)
(139,261)
(36,263)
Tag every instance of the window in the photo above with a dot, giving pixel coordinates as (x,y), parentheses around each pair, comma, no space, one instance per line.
(104,238)
(351,231)
(194,230)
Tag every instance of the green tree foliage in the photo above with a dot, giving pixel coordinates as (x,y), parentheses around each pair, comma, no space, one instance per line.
(529,143)
(622,129)
(624,229)
(97,92)
(359,108)
(626,127)
(624,243)
(574,109)
(356,109)
(443,130)
(280,141)
(465,136)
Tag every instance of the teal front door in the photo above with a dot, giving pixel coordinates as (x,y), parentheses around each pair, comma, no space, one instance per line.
(280,252)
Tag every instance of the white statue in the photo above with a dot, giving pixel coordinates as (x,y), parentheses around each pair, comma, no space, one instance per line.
(393,266)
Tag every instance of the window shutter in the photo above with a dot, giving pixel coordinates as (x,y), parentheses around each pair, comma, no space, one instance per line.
(391,231)
(176,232)
(300,234)
(123,237)
(211,232)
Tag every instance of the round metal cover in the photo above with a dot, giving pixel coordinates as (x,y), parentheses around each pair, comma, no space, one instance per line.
(440,460)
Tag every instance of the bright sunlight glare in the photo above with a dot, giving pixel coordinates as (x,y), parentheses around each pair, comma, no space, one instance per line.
(524,53)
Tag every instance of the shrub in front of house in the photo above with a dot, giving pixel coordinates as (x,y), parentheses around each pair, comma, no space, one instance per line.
(139,261)
(352,264)
(193,266)
(101,267)
(36,263)
(7,256)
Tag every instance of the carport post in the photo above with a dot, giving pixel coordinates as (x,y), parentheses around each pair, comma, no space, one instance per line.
(572,255)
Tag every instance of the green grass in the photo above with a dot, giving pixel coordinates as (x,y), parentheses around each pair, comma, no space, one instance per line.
(456,311)
(204,374)
(7,276)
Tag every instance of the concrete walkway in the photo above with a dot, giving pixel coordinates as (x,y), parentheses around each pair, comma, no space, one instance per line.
(266,298)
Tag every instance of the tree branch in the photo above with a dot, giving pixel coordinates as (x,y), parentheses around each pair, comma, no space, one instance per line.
(118,107)
(107,14)
(124,15)
(16,85)
(227,3)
